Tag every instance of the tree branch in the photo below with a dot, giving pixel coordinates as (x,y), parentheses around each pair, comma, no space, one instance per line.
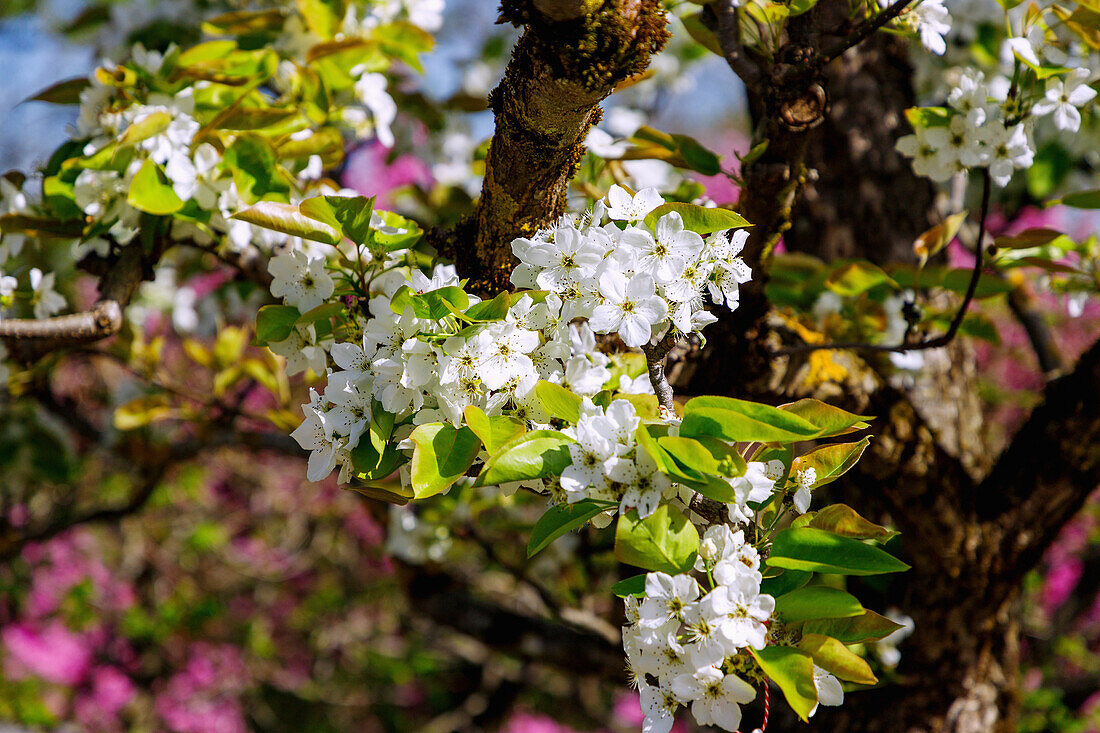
(655,362)
(1048,470)
(565,63)
(117,286)
(864,31)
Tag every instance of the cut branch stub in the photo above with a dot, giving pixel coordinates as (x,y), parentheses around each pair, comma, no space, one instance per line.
(544,107)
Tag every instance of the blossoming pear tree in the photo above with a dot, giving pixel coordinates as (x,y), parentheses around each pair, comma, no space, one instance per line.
(529,348)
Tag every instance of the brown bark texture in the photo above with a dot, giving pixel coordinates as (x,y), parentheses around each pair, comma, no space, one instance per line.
(571,56)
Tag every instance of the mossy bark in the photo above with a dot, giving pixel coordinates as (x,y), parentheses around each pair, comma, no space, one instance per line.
(571,56)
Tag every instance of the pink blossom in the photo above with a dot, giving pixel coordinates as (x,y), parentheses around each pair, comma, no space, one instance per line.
(53,652)
(369,172)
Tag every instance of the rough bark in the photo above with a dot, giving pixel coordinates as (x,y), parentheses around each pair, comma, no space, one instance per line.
(571,56)
(861,199)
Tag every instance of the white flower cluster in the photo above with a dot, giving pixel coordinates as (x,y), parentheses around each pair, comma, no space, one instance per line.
(633,281)
(975,134)
(418,369)
(689,647)
(990,123)
(608,465)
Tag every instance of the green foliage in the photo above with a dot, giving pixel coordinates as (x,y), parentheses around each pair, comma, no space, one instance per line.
(818,550)
(665,541)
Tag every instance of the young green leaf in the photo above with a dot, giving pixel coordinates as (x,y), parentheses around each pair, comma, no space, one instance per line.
(793,671)
(150,191)
(830,462)
(846,521)
(494,432)
(288,219)
(665,541)
(699,219)
(830,420)
(633,586)
(817,601)
(558,520)
(558,401)
(837,659)
(856,630)
(441,456)
(807,548)
(855,278)
(537,454)
(785,582)
(742,421)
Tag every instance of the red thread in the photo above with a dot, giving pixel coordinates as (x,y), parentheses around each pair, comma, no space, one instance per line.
(767,709)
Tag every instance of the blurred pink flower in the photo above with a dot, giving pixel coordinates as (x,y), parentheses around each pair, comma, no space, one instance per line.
(369,173)
(111,690)
(52,652)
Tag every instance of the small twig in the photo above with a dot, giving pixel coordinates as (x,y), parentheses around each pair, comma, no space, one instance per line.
(721,18)
(943,339)
(713,511)
(863,31)
(655,360)
(1042,343)
(102,320)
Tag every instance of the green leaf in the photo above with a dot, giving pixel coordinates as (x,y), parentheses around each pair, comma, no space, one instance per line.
(287,219)
(1083,199)
(558,520)
(494,432)
(353,214)
(843,520)
(39,227)
(152,124)
(142,411)
(831,421)
(665,541)
(793,671)
(817,601)
(438,304)
(537,454)
(63,92)
(938,237)
(559,402)
(785,582)
(830,462)
(150,191)
(408,231)
(645,405)
(490,310)
(251,160)
(857,630)
(742,421)
(320,16)
(836,659)
(958,280)
(665,463)
(928,116)
(855,278)
(1033,237)
(698,30)
(274,323)
(633,586)
(441,456)
(807,548)
(391,493)
(699,219)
